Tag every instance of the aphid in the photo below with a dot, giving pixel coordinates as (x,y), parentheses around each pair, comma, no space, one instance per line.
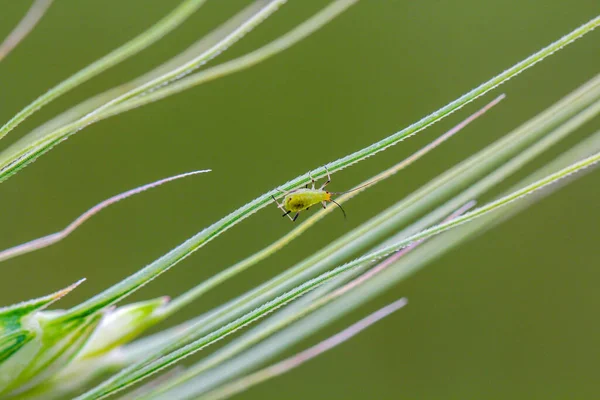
(301,199)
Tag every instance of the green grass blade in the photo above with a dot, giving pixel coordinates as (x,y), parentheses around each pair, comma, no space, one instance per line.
(18,157)
(257,56)
(581,150)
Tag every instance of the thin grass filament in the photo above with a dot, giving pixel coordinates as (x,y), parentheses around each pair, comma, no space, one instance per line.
(25,26)
(55,237)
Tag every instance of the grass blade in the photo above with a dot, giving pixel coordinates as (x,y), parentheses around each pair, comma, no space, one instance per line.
(257,56)
(55,237)
(25,26)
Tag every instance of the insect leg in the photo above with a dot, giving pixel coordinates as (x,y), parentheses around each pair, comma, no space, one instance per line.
(312,181)
(295,217)
(324,204)
(328,179)
(280,206)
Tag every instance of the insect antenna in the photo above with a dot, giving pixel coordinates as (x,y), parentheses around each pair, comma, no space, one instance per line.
(338,204)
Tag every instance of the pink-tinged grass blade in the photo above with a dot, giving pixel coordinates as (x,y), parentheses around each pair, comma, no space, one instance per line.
(29,306)
(29,21)
(52,238)
(426,149)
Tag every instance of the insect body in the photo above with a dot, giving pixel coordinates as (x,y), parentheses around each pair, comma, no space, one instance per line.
(304,198)
(301,199)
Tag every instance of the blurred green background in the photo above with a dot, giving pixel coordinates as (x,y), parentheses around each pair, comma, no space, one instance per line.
(512,314)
